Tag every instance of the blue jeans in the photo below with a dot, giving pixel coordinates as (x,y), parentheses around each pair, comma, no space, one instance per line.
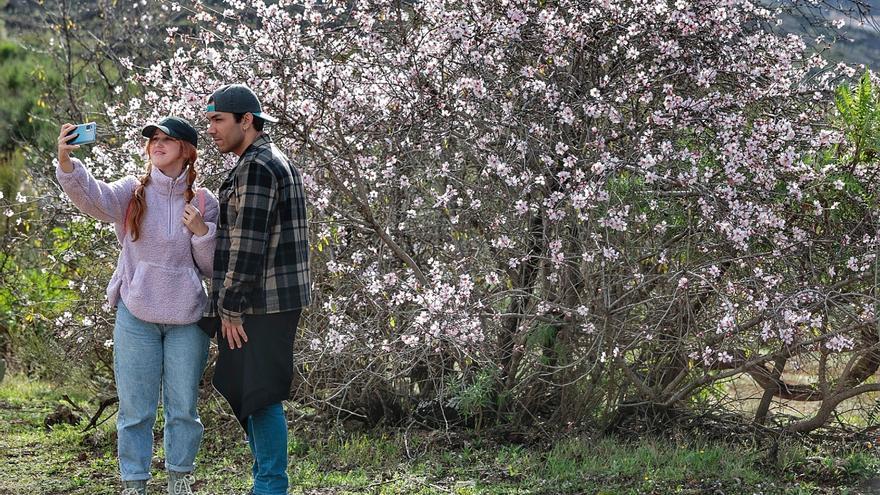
(148,357)
(267,437)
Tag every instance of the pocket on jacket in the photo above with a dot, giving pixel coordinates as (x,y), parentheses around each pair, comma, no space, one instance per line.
(159,294)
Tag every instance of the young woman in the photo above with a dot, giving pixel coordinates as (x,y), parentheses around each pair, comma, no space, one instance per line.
(167,247)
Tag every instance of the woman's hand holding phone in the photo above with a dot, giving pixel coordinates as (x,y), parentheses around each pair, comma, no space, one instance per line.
(64,148)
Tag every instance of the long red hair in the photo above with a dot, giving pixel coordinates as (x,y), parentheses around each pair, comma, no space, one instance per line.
(139,201)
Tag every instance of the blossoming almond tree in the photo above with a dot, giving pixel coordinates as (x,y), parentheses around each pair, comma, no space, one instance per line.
(587,205)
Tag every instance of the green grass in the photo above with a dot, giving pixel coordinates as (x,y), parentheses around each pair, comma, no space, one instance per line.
(64,460)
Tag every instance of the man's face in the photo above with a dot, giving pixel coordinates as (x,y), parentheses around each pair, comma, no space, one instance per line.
(225,131)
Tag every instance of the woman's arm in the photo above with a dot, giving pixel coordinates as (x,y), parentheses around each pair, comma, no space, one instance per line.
(98,199)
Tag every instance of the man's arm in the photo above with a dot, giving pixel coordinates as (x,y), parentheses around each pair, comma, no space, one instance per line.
(256,192)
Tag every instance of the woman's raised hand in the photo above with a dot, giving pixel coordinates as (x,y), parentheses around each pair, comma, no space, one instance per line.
(64,148)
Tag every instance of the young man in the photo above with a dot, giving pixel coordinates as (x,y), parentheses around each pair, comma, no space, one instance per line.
(261,278)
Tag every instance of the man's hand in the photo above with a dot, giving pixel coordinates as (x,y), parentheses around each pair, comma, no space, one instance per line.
(233,333)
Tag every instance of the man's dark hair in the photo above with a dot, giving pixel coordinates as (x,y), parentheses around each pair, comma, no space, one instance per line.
(258,122)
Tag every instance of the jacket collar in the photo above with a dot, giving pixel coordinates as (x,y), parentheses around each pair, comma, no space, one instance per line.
(166,185)
(262,140)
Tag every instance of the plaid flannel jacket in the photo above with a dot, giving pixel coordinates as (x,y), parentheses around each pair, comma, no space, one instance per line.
(261,263)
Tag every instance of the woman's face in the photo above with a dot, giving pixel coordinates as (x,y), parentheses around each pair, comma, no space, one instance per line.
(166,154)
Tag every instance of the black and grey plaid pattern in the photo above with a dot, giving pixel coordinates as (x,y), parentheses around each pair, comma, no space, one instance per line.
(261,264)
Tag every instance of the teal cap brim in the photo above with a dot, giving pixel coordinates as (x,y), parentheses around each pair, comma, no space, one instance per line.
(266,117)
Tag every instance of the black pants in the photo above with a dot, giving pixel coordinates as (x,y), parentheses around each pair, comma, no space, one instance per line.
(260,373)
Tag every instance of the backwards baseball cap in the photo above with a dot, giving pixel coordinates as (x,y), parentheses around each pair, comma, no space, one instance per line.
(175,127)
(237,98)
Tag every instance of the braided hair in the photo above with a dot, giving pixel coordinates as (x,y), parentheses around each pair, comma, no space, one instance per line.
(139,201)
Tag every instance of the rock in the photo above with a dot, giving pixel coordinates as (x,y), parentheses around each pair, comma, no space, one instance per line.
(61,415)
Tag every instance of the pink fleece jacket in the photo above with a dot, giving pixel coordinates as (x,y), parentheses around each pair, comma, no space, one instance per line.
(157,276)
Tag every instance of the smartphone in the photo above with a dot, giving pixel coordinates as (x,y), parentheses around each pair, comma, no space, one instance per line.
(85,133)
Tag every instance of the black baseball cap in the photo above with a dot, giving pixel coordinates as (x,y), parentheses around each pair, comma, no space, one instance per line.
(175,127)
(237,98)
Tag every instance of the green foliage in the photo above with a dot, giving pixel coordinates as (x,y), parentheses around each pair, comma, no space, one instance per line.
(40,296)
(473,398)
(860,465)
(859,115)
(26,287)
(365,451)
(25,118)
(650,464)
(710,394)
(544,337)
(11,169)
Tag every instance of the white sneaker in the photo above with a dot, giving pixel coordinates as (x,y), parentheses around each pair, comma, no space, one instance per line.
(180,483)
(134,487)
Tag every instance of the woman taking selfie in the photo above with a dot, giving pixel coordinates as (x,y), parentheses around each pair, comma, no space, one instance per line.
(167,234)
